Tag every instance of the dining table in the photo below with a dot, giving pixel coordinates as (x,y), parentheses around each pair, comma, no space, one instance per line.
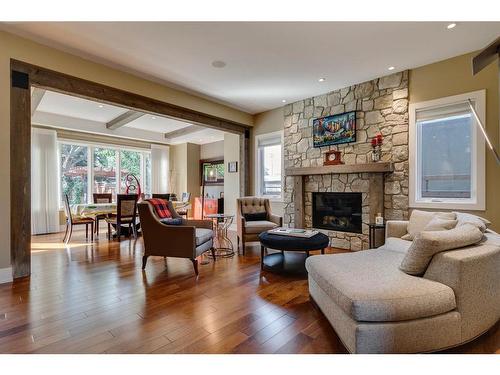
(93,209)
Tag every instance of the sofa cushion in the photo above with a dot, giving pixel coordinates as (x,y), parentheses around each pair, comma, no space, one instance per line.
(419,220)
(255,216)
(427,244)
(438,224)
(464,218)
(396,244)
(171,221)
(259,226)
(161,207)
(203,235)
(368,286)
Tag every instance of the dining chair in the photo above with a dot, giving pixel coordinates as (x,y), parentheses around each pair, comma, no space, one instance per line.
(162,196)
(75,220)
(101,198)
(126,212)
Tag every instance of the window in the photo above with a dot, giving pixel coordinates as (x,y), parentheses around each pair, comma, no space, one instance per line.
(269,155)
(74,173)
(447,153)
(87,168)
(105,171)
(130,163)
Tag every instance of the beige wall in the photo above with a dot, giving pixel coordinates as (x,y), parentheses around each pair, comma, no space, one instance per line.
(452,77)
(231,180)
(22,49)
(178,168)
(212,150)
(185,169)
(265,122)
(193,170)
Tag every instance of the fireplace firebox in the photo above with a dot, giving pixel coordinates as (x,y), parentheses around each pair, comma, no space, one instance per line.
(337,211)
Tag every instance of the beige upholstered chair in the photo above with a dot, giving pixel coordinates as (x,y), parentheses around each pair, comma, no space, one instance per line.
(250,230)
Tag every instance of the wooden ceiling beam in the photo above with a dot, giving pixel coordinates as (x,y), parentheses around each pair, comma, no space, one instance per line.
(489,54)
(183,131)
(124,119)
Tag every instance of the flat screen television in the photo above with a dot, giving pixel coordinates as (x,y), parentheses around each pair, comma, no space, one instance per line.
(335,129)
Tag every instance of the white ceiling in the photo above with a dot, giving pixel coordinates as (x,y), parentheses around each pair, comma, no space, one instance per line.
(70,112)
(266,62)
(157,124)
(72,106)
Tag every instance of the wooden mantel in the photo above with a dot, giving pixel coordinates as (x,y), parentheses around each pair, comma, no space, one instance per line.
(380,167)
(376,171)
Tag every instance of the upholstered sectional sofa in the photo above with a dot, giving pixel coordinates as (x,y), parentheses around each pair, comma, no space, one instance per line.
(376,308)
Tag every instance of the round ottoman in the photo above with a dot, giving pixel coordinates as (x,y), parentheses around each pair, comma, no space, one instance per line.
(298,250)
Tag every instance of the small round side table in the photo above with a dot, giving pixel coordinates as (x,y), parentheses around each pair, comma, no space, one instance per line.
(223,245)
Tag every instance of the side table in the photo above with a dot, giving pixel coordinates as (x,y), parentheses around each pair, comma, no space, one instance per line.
(373,228)
(223,245)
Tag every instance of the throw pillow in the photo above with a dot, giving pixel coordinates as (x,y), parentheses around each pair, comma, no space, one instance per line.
(438,223)
(256,216)
(161,207)
(419,219)
(464,218)
(172,221)
(427,244)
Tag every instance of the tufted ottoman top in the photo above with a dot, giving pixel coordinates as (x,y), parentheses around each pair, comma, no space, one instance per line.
(290,243)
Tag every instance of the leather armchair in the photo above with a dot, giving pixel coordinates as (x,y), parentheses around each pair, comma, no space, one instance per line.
(188,240)
(250,230)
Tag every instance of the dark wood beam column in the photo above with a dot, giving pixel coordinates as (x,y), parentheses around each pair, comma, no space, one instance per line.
(20,174)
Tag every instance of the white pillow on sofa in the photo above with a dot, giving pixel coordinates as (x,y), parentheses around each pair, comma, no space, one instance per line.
(464,218)
(427,244)
(420,219)
(437,224)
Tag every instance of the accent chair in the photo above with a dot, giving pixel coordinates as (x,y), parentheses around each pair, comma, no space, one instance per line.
(254,216)
(189,239)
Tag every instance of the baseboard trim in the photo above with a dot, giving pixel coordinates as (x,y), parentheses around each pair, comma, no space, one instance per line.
(6,275)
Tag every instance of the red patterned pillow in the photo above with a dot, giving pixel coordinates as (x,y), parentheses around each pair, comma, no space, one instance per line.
(161,207)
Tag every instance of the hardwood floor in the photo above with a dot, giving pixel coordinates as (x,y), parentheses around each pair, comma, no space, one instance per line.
(94,298)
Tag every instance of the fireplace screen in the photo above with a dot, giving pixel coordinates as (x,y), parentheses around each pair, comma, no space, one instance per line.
(337,211)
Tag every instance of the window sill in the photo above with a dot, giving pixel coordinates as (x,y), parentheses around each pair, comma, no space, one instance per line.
(272,199)
(449,205)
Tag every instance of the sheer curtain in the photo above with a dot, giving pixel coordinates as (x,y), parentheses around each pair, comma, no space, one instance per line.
(44,182)
(159,169)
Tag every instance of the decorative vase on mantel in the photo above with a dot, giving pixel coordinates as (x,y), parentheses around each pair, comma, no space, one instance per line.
(377,148)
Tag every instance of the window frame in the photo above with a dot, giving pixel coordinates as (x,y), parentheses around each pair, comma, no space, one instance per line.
(90,163)
(477,201)
(259,167)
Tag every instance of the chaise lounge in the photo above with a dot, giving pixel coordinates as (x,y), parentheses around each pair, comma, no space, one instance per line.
(376,308)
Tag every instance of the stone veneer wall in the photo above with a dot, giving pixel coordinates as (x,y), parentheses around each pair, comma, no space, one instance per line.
(382,107)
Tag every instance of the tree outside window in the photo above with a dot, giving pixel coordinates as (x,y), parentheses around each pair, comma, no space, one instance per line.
(74,173)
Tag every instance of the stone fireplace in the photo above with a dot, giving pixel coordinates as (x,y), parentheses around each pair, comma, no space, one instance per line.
(337,211)
(381,107)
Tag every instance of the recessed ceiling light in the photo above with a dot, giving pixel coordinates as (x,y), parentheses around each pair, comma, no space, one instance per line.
(322,80)
(218,64)
(451,26)
(391,68)
(101,106)
(153,117)
(283,101)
